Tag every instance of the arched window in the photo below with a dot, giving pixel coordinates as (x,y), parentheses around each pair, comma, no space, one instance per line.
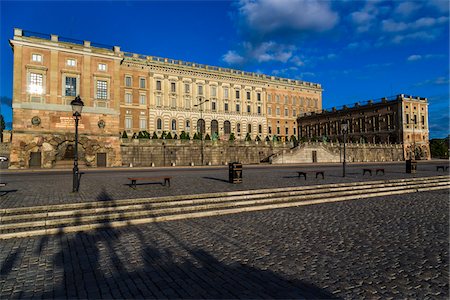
(259,129)
(188,125)
(249,128)
(158,124)
(214,127)
(174,125)
(227,127)
(201,126)
(238,126)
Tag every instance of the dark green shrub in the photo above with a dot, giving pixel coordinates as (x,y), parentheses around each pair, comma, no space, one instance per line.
(124,135)
(155,136)
(207,137)
(169,136)
(248,138)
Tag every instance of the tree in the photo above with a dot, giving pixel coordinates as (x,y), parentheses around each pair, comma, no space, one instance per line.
(124,135)
(207,137)
(169,136)
(155,136)
(439,148)
(248,138)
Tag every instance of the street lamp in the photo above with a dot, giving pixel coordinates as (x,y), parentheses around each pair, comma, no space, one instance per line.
(77,107)
(200,104)
(344,129)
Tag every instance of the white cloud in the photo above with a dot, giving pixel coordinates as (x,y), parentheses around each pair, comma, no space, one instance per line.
(297,61)
(414,57)
(440,5)
(407,8)
(269,51)
(420,35)
(233,58)
(270,16)
(393,26)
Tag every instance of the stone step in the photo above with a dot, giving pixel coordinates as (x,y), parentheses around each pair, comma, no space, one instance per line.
(70,220)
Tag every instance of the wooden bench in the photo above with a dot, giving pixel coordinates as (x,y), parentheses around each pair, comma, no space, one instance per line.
(166,179)
(444,168)
(379,170)
(303,173)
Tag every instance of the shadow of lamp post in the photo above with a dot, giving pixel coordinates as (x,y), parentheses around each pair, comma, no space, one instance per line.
(202,125)
(77,107)
(344,129)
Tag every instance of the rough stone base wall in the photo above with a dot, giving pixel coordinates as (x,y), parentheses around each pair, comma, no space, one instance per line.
(329,152)
(185,153)
(53,147)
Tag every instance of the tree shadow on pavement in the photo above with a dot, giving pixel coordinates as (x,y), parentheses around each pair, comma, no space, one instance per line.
(128,263)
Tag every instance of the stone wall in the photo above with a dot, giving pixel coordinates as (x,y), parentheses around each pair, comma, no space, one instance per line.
(184,153)
(4,151)
(53,148)
(333,152)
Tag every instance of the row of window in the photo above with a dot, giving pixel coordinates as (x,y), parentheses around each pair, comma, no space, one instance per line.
(301,100)
(70,62)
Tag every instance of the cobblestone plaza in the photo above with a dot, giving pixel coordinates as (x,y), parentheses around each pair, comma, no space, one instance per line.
(384,247)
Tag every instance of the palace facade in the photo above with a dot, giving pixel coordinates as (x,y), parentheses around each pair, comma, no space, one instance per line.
(130,92)
(402,119)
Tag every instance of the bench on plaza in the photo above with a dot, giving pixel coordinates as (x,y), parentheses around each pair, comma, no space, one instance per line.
(165,179)
(379,170)
(3,184)
(303,173)
(444,168)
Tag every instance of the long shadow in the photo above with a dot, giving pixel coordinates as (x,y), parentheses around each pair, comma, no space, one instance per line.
(9,262)
(129,263)
(217,179)
(2,193)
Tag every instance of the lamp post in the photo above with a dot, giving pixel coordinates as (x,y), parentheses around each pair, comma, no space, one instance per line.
(77,107)
(344,128)
(200,104)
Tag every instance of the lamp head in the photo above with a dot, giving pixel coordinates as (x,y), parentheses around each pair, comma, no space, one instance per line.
(77,106)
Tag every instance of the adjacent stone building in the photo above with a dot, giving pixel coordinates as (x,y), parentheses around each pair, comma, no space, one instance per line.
(127,92)
(402,119)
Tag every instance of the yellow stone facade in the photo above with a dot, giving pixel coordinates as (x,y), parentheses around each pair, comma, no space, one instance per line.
(131,92)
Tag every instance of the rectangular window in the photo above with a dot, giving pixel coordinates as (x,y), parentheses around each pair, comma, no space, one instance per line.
(415,119)
(225,93)
(286,100)
(174,102)
(259,110)
(102,67)
(36,57)
(142,99)
(248,95)
(237,94)
(71,86)
(294,113)
(258,96)
(128,123)
(238,107)
(143,124)
(316,104)
(278,98)
(269,111)
(286,112)
(128,98)
(248,109)
(407,118)
(213,105)
(295,131)
(423,120)
(158,100)
(158,85)
(71,62)
(142,83)
(226,107)
(187,88)
(173,87)
(287,131)
(269,98)
(200,89)
(278,130)
(294,101)
(36,83)
(187,101)
(128,81)
(278,111)
(270,129)
(102,89)
(213,91)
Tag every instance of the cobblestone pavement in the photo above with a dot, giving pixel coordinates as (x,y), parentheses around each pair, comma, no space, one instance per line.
(387,247)
(51,187)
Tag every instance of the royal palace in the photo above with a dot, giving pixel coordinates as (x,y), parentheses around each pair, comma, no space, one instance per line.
(125,94)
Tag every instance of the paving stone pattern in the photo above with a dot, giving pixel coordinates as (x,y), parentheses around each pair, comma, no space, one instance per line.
(53,187)
(379,248)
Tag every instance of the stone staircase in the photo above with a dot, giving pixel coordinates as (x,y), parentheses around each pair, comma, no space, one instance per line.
(303,153)
(74,217)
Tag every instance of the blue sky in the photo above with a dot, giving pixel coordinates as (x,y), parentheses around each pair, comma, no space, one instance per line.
(357,50)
